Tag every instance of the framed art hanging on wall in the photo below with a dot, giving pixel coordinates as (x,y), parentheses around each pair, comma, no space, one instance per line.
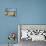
(10,12)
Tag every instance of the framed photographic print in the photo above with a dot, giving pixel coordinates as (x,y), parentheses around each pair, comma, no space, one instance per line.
(10,12)
(32,32)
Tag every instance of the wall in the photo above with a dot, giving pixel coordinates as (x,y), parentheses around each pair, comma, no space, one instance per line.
(28,12)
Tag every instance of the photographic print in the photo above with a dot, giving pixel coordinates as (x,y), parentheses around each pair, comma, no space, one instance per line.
(10,12)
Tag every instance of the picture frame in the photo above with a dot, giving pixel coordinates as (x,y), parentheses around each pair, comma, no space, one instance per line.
(10,12)
(39,28)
